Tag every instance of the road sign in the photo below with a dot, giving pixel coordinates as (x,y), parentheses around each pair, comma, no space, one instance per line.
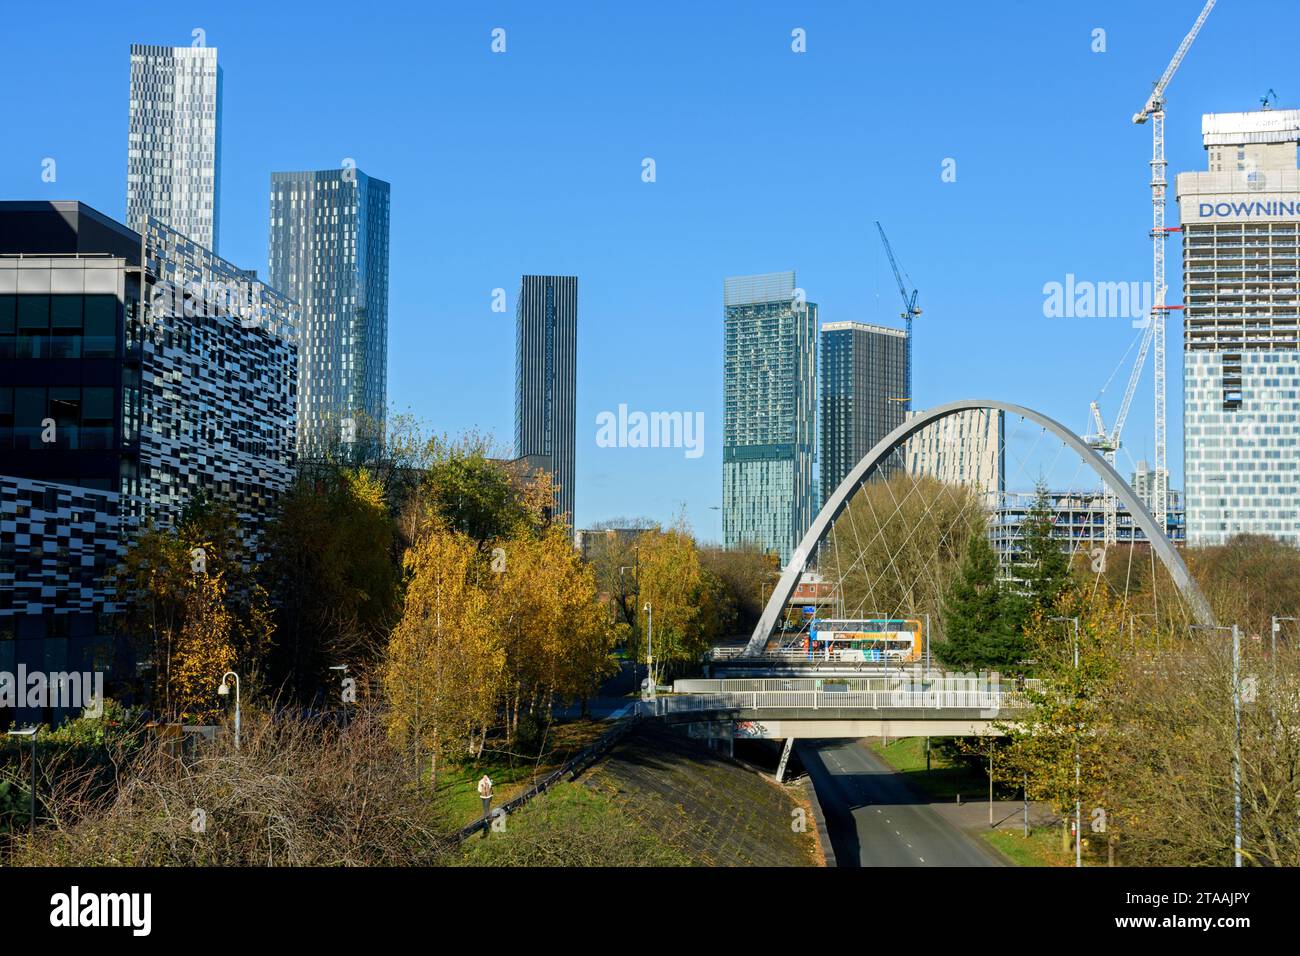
(809,610)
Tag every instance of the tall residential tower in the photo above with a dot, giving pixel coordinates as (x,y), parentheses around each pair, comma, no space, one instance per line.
(329,251)
(769,412)
(174,141)
(546,379)
(864,384)
(1241,333)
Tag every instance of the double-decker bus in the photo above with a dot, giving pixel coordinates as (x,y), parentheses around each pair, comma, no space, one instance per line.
(879,639)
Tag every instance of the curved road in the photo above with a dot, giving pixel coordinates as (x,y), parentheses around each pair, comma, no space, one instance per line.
(875,819)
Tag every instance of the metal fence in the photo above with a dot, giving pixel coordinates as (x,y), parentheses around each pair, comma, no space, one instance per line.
(572,768)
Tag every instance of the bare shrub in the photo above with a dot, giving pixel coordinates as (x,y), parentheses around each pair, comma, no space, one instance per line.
(297,793)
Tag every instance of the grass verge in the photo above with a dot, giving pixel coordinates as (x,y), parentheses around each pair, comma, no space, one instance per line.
(511,773)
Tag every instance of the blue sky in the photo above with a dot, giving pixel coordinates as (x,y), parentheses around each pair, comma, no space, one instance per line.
(530,162)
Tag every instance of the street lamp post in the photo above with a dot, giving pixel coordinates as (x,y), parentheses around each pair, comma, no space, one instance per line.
(224,691)
(31,733)
(650,647)
(1236,720)
(1078,778)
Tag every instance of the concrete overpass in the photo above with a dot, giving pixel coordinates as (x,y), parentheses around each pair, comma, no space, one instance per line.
(793,709)
(785,715)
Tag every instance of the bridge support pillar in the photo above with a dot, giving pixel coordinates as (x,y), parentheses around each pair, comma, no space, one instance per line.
(785,757)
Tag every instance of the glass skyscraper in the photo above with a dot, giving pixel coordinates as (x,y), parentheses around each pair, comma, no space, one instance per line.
(1241,329)
(864,384)
(329,251)
(546,362)
(174,141)
(769,412)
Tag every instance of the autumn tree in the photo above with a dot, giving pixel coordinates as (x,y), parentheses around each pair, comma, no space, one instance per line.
(193,589)
(1070,720)
(898,545)
(201,654)
(446,658)
(674,585)
(1250,579)
(557,635)
(611,548)
(741,576)
(333,574)
(1173,757)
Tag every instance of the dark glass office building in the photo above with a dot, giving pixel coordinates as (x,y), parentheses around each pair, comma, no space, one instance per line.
(864,382)
(546,379)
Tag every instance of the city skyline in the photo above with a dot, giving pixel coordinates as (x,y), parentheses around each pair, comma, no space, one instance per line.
(590,449)
(974,305)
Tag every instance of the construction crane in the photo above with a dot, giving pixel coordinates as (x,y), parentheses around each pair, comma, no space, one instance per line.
(1107,442)
(1154,110)
(910,311)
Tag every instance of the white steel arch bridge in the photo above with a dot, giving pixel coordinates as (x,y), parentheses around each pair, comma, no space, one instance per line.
(883,456)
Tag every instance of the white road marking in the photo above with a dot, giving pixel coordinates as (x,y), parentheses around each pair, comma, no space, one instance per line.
(921,858)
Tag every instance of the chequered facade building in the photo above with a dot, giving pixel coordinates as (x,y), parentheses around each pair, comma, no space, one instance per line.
(136,371)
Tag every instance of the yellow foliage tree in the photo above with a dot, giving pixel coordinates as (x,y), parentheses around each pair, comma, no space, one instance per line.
(445,660)
(201,652)
(673,584)
(556,632)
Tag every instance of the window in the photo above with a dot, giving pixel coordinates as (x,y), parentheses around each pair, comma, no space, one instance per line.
(7,340)
(65,409)
(65,326)
(29,410)
(33,325)
(6,418)
(100,326)
(97,417)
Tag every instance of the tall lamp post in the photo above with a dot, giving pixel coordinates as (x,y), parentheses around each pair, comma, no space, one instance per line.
(224,691)
(1078,777)
(1236,720)
(650,647)
(31,733)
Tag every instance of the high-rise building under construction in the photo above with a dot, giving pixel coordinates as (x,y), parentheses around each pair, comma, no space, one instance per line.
(1241,333)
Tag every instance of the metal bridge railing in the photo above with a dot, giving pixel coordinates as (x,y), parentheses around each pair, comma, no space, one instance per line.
(914,681)
(981,699)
